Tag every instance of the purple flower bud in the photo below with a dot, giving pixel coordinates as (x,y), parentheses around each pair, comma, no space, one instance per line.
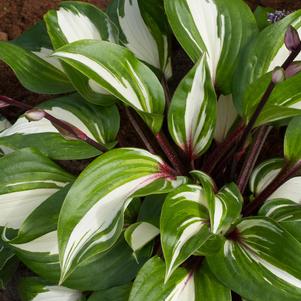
(35,114)
(293,69)
(278,75)
(278,15)
(292,39)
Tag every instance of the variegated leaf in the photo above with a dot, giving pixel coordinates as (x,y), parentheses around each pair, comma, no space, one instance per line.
(264,174)
(4,123)
(91,218)
(219,28)
(75,21)
(260,260)
(29,57)
(265,53)
(27,179)
(118,71)
(184,225)
(99,124)
(143,30)
(225,117)
(149,284)
(292,148)
(289,190)
(285,212)
(192,114)
(36,245)
(139,234)
(36,289)
(225,209)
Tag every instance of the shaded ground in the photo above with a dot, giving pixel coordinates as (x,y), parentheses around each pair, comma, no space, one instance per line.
(18,15)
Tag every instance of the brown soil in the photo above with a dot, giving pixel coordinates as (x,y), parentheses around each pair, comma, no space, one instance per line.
(17,16)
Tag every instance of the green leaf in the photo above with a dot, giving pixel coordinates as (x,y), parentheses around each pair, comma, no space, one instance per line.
(139,234)
(143,30)
(264,174)
(27,179)
(261,14)
(99,124)
(149,284)
(192,114)
(183,225)
(119,293)
(76,21)
(219,28)
(225,209)
(226,116)
(91,218)
(34,70)
(118,71)
(207,287)
(36,246)
(262,55)
(292,147)
(150,210)
(33,288)
(286,212)
(262,262)
(8,264)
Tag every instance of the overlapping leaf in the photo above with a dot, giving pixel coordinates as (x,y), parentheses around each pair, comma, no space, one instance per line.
(182,286)
(29,57)
(149,284)
(118,293)
(225,209)
(99,124)
(117,70)
(285,212)
(91,219)
(261,56)
(27,179)
(192,114)
(225,117)
(184,225)
(33,288)
(139,234)
(260,261)
(292,148)
(76,21)
(219,28)
(264,174)
(36,245)
(143,30)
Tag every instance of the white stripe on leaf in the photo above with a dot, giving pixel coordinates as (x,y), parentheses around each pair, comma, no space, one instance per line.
(225,116)
(46,243)
(139,38)
(183,291)
(56,293)
(76,26)
(211,26)
(15,207)
(45,54)
(122,86)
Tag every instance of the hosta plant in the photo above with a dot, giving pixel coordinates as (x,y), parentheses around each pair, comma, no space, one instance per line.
(198,213)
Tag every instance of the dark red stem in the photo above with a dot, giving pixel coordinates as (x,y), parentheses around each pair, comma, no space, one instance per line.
(287,172)
(170,153)
(60,123)
(221,150)
(139,131)
(252,157)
